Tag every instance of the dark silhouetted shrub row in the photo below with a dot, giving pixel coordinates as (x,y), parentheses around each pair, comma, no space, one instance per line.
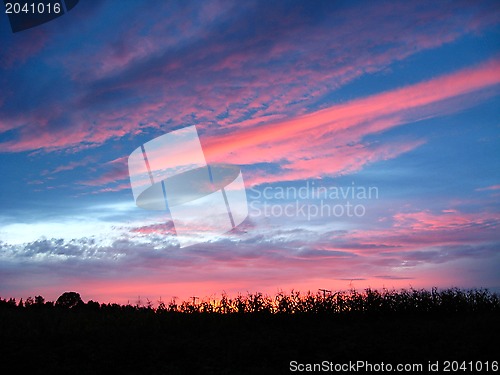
(251,334)
(452,300)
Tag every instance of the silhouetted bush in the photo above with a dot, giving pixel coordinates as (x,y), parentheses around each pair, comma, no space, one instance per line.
(69,300)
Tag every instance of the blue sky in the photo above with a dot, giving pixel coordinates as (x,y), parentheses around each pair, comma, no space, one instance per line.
(402,97)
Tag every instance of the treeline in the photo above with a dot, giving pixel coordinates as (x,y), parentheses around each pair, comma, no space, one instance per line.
(247,334)
(452,300)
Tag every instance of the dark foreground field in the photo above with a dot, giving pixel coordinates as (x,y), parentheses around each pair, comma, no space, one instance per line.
(232,339)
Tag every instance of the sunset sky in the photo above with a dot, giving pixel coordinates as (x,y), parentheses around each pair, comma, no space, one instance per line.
(401,97)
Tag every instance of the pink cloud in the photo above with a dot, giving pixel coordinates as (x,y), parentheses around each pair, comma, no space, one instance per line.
(129,63)
(493,187)
(425,221)
(319,142)
(70,166)
(22,46)
(423,229)
(159,229)
(361,112)
(116,171)
(330,141)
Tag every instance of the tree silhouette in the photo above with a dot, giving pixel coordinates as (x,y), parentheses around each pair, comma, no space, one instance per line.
(39,301)
(69,300)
